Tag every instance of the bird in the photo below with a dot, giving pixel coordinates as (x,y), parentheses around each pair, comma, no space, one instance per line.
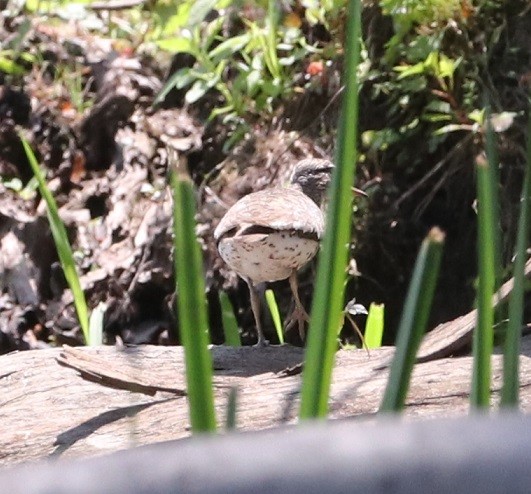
(270,234)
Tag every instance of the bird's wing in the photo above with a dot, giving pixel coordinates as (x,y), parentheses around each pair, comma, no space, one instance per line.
(278,209)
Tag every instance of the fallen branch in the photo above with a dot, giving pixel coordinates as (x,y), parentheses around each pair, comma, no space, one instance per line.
(48,411)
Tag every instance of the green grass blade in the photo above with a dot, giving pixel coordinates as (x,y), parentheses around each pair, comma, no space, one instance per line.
(492,157)
(511,350)
(275,314)
(414,320)
(270,48)
(232,406)
(484,334)
(228,319)
(96,324)
(329,291)
(60,237)
(191,303)
(374,326)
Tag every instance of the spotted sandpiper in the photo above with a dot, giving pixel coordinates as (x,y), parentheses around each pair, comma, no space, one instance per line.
(269,235)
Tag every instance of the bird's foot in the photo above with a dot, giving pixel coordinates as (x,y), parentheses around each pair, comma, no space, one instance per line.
(299,316)
(261,343)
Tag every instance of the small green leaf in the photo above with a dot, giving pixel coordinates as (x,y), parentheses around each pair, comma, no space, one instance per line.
(374,326)
(455,128)
(14,184)
(182,78)
(447,66)
(176,45)
(96,324)
(197,91)
(477,116)
(410,70)
(275,314)
(438,106)
(228,47)
(228,319)
(10,67)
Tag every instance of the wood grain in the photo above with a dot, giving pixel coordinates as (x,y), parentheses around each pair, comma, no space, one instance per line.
(49,410)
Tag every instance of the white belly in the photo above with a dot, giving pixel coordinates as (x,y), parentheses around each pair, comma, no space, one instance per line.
(267,257)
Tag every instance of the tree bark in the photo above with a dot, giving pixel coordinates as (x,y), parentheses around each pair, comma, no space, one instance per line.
(87,401)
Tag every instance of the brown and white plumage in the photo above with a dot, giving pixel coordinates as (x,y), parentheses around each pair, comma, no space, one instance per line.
(270,234)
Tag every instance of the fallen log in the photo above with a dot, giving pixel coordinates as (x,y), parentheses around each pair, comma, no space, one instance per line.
(455,335)
(88,401)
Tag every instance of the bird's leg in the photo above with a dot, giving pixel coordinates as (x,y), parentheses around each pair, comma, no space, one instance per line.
(299,315)
(255,306)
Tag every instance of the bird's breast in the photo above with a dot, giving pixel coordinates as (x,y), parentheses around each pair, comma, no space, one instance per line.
(267,256)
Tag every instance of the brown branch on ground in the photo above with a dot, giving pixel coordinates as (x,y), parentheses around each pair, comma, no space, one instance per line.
(452,336)
(107,373)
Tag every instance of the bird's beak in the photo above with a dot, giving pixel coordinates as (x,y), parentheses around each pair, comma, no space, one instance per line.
(359,192)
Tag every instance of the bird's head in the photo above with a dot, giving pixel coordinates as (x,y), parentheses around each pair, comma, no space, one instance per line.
(312,176)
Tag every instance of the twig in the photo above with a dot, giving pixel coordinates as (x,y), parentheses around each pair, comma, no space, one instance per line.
(101,371)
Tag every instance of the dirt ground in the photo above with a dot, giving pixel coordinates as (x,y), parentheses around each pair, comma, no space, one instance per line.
(107,166)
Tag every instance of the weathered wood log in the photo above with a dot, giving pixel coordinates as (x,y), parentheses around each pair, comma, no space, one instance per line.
(452,336)
(47,410)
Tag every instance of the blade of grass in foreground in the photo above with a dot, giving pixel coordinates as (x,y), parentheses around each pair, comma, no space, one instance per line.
(232,400)
(230,326)
(374,326)
(60,237)
(329,291)
(275,314)
(191,303)
(511,350)
(493,159)
(483,338)
(414,319)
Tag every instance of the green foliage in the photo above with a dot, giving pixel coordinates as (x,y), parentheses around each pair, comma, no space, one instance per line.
(191,304)
(275,314)
(72,79)
(322,11)
(487,201)
(433,77)
(12,56)
(260,59)
(375,326)
(511,353)
(232,405)
(230,325)
(26,192)
(436,65)
(9,65)
(407,12)
(327,308)
(62,244)
(96,324)
(414,320)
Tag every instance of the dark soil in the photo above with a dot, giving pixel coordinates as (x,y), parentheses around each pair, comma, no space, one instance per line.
(107,165)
